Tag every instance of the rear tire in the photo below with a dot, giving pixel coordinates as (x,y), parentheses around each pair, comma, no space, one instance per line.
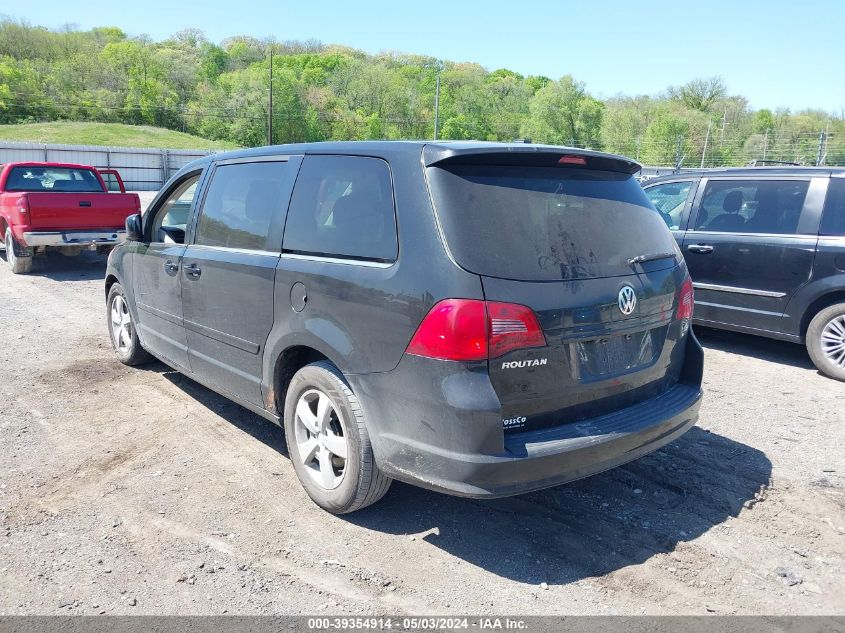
(328,443)
(122,332)
(18,258)
(826,341)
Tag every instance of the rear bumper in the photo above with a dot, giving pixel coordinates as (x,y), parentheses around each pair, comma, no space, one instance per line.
(102,237)
(533,461)
(453,442)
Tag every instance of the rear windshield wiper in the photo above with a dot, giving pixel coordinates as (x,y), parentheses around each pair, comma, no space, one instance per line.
(639,259)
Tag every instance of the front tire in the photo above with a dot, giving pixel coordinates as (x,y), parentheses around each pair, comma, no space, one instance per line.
(122,333)
(826,341)
(328,443)
(18,258)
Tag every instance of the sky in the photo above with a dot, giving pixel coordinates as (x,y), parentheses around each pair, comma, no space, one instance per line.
(777,53)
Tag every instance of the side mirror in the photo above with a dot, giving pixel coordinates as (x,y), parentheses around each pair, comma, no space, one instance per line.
(134,228)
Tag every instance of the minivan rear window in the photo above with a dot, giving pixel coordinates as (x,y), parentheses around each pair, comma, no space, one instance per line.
(342,206)
(546,223)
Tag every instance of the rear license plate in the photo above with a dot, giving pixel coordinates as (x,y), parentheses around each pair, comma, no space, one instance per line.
(614,354)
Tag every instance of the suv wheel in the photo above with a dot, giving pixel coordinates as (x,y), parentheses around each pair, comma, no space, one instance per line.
(328,442)
(122,330)
(18,258)
(826,341)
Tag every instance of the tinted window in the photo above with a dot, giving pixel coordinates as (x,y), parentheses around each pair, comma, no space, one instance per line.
(669,200)
(833,220)
(546,223)
(752,206)
(342,206)
(52,179)
(240,205)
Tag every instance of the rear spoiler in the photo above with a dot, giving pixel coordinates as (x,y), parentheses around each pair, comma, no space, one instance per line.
(528,155)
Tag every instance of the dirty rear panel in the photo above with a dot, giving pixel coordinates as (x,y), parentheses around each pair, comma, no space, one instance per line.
(565,240)
(595,360)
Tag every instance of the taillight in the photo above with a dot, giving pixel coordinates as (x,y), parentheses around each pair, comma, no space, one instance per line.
(23,204)
(454,329)
(471,329)
(686,301)
(512,327)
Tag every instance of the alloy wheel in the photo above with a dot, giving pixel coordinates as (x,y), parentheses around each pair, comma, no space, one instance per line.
(320,439)
(833,341)
(121,324)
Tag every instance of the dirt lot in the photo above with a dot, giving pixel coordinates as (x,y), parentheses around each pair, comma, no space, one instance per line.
(138,491)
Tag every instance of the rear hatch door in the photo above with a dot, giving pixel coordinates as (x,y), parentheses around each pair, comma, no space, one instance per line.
(573,237)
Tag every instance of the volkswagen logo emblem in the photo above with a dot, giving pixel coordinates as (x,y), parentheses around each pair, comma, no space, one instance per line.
(627,300)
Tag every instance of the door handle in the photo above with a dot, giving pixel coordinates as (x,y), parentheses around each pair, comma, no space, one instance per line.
(170,268)
(192,271)
(701,249)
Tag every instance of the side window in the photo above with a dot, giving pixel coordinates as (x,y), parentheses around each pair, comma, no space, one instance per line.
(752,206)
(669,200)
(833,220)
(171,217)
(241,203)
(342,206)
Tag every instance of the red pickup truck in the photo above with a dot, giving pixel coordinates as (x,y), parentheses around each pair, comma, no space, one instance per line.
(62,206)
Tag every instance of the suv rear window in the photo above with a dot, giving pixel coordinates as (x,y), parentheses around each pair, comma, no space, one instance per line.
(546,223)
(53,179)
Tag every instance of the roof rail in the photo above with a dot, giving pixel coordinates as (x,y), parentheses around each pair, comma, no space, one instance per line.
(761,162)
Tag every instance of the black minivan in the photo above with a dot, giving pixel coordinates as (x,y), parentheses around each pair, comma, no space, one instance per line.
(476,318)
(766,250)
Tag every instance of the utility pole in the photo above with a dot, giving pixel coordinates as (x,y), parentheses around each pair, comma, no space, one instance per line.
(270,108)
(765,144)
(437,102)
(706,138)
(679,158)
(820,157)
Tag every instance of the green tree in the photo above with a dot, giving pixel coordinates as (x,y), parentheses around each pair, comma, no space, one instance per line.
(661,138)
(563,113)
(700,94)
(624,124)
(764,120)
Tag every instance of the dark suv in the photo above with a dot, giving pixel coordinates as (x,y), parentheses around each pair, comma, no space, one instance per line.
(766,250)
(479,319)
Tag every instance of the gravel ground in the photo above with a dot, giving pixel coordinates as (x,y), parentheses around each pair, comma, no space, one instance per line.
(138,491)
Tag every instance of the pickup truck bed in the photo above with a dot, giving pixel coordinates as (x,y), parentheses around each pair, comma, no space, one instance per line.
(59,205)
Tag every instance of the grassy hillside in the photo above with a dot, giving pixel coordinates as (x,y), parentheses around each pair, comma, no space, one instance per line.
(115,134)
